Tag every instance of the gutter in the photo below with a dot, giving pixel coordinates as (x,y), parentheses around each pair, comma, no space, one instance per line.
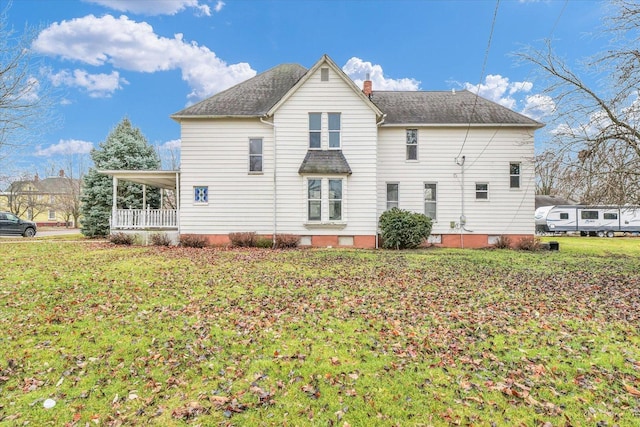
(275,186)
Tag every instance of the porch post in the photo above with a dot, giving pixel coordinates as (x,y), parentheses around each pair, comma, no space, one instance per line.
(114,208)
(144,196)
(177,194)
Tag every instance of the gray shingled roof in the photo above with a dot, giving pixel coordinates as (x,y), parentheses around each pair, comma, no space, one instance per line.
(253,97)
(444,108)
(325,162)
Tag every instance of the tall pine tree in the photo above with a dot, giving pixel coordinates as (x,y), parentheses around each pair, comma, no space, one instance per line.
(125,148)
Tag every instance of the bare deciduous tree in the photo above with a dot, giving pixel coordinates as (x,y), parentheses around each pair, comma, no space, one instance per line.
(597,129)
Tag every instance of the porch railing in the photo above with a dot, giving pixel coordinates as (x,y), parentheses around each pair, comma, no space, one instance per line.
(123,219)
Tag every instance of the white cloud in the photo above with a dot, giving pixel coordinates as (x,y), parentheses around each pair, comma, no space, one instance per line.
(498,89)
(357,69)
(65,146)
(538,106)
(219,5)
(155,7)
(97,85)
(134,46)
(173,144)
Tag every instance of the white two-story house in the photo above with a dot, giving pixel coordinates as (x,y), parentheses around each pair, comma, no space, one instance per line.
(307,152)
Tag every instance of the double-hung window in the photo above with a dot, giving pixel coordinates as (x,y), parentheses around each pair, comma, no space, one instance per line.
(430,200)
(315,130)
(412,144)
(335,199)
(514,175)
(314,199)
(482,191)
(392,195)
(325,200)
(255,155)
(334,130)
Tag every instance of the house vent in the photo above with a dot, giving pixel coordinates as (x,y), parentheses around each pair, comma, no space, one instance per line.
(324,74)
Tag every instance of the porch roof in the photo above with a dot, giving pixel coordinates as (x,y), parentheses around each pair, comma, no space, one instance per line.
(154,178)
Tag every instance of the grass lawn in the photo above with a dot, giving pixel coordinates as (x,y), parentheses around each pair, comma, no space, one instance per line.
(176,336)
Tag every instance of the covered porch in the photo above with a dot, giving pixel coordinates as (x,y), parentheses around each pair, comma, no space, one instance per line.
(164,219)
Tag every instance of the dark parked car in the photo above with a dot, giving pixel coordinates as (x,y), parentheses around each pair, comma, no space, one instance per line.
(12,225)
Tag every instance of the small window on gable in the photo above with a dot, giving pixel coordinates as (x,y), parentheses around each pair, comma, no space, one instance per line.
(324,74)
(412,144)
(564,215)
(315,130)
(201,195)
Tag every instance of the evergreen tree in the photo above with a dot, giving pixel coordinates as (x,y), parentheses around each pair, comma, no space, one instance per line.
(125,148)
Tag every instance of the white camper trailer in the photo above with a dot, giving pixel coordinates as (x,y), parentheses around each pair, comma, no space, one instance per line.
(588,220)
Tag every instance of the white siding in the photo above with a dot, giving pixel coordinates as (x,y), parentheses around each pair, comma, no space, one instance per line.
(358,142)
(487,151)
(215,153)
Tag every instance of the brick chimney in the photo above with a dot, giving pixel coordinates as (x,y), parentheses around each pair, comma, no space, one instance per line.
(367,86)
(36,178)
(61,174)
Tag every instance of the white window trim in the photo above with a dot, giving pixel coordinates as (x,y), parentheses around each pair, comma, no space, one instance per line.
(386,190)
(193,197)
(324,209)
(475,191)
(519,175)
(424,201)
(406,146)
(320,131)
(249,171)
(330,131)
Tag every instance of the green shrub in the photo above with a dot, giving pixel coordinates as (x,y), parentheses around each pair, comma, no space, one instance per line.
(160,239)
(193,241)
(402,229)
(284,241)
(243,239)
(122,239)
(263,242)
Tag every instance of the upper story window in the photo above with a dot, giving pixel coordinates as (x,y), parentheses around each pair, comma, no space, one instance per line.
(393,195)
(430,200)
(324,74)
(334,130)
(412,144)
(514,175)
(255,155)
(201,195)
(482,191)
(315,130)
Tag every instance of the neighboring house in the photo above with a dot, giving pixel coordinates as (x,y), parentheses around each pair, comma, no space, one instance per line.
(307,152)
(52,201)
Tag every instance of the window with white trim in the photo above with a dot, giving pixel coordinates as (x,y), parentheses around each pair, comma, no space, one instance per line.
(325,200)
(334,130)
(412,144)
(514,175)
(314,199)
(430,200)
(335,200)
(315,130)
(255,155)
(52,215)
(201,195)
(482,191)
(393,195)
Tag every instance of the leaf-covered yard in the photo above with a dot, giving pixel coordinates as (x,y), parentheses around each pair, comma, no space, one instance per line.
(175,336)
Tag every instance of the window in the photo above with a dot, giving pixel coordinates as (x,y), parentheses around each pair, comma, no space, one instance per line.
(315,130)
(201,195)
(255,155)
(412,144)
(482,191)
(324,74)
(335,199)
(589,214)
(334,130)
(392,195)
(52,214)
(430,200)
(514,175)
(564,215)
(610,215)
(314,199)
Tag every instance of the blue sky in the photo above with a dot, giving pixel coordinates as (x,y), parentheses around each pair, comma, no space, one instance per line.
(147,59)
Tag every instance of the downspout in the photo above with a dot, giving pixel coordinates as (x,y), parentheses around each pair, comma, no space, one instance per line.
(384,116)
(275,186)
